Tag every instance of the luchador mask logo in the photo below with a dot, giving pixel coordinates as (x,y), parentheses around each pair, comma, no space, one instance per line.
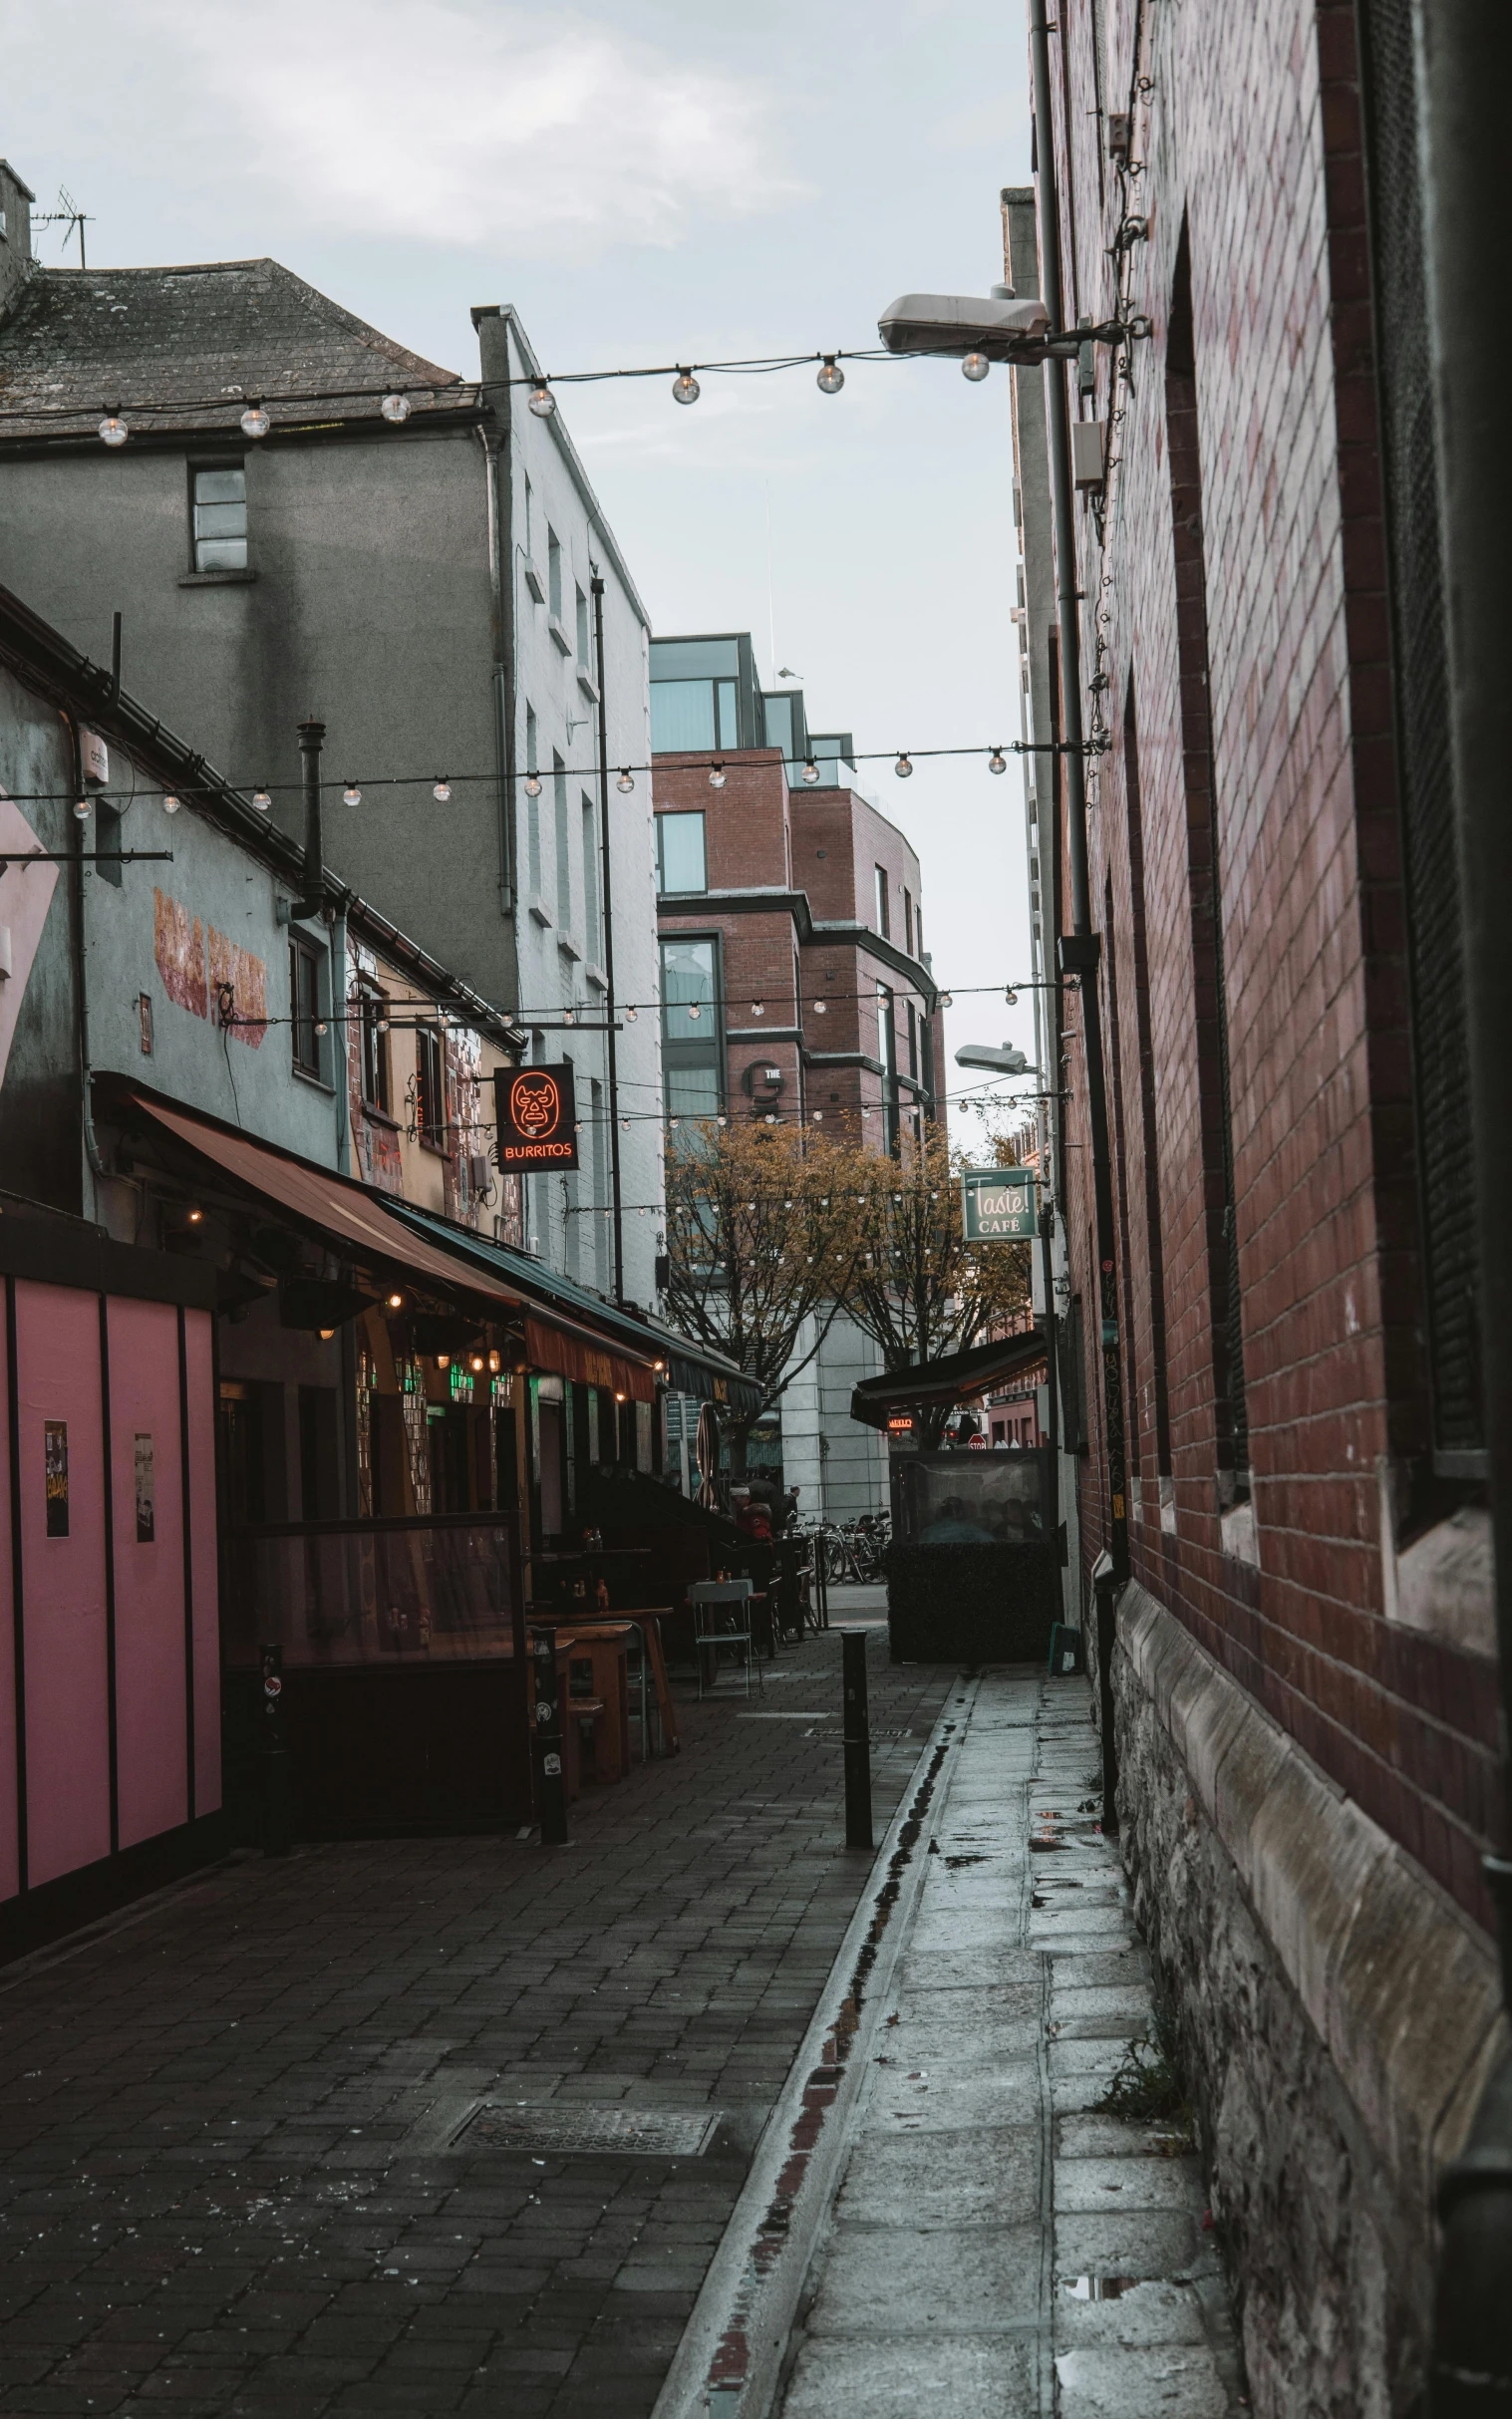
(535,1105)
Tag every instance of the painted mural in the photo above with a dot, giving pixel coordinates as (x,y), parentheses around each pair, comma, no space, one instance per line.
(208,975)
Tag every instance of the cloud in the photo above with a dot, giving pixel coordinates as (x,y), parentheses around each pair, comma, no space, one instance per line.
(530,134)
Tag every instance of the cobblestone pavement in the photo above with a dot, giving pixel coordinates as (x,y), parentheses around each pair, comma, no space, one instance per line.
(226,2126)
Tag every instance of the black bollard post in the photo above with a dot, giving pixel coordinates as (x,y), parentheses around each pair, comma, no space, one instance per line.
(278,1791)
(551,1780)
(857,1740)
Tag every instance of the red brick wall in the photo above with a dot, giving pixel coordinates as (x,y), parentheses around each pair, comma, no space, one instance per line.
(825,843)
(1253,142)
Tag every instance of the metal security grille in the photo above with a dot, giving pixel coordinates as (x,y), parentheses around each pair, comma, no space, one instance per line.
(1423,710)
(557,2127)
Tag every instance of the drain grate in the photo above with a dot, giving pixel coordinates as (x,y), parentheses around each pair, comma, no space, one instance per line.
(646,2133)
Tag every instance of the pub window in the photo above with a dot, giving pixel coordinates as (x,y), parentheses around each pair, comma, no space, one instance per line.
(692,1068)
(221,519)
(304,1005)
(373,1028)
(430,1088)
(883,925)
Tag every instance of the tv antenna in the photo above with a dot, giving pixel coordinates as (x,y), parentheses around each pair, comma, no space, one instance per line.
(69,216)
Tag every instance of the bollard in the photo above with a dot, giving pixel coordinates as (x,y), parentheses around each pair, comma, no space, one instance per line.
(857,1740)
(278,1792)
(550,1779)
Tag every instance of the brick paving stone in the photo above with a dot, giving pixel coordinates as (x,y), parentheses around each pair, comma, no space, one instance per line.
(207,2201)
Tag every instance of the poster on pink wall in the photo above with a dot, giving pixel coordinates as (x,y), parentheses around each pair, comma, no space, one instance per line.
(55,1474)
(146,1490)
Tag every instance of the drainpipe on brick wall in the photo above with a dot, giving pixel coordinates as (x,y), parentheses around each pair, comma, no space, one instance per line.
(1464,126)
(81,961)
(493,359)
(1081,948)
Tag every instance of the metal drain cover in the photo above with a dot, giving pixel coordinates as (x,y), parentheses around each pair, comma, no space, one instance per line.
(645,2133)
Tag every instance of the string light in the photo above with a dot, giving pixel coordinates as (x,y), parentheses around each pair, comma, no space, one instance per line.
(350,795)
(904,767)
(757,1009)
(396,409)
(821,1007)
(626,779)
(262,801)
(542,400)
(694,1009)
(945,999)
(975,366)
(686,388)
(810,772)
(443,790)
(997,761)
(169,803)
(255,420)
(715,774)
(831,378)
(112,428)
(1011,997)
(82,811)
(532,784)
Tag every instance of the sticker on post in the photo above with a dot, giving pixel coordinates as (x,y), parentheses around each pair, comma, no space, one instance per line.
(551,1765)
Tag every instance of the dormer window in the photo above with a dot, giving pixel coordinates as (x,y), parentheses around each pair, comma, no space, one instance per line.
(221,519)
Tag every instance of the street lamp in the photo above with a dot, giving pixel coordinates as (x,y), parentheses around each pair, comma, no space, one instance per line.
(1005,1062)
(1002,326)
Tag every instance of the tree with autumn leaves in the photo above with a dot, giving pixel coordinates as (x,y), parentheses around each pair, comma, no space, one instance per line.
(772,1227)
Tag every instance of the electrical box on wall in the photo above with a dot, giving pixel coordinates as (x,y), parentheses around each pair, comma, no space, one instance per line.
(1088,437)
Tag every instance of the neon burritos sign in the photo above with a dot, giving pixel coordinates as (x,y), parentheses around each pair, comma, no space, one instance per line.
(537,1116)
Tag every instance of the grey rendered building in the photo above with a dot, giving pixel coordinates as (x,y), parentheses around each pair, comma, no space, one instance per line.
(418,574)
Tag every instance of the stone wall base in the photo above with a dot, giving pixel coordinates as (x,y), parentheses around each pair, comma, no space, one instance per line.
(1337,2015)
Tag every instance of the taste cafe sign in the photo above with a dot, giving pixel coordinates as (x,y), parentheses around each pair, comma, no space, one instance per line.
(998,1205)
(537,1116)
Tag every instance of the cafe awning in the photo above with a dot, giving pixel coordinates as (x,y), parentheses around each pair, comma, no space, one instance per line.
(555,1300)
(354,1221)
(954,1377)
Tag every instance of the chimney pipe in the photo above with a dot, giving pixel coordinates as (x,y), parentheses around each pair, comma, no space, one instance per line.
(311,734)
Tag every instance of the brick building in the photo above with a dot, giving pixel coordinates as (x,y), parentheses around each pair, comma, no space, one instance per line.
(794,981)
(1304,1669)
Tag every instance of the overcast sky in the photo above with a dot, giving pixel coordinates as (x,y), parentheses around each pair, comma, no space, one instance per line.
(659,183)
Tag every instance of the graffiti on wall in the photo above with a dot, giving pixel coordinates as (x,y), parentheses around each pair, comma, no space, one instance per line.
(207,974)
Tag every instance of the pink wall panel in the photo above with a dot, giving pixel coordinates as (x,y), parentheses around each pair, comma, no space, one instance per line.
(10,1860)
(67,1714)
(199,1353)
(151,1733)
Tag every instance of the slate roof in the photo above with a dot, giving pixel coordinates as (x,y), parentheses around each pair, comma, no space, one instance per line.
(167,345)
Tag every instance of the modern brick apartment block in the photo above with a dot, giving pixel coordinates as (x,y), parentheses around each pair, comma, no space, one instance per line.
(1304,1672)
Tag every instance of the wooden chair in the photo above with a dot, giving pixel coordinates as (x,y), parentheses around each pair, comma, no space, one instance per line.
(721,1618)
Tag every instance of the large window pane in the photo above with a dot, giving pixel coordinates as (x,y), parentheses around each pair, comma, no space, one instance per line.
(729,721)
(687,659)
(688,984)
(681,714)
(692,1092)
(681,864)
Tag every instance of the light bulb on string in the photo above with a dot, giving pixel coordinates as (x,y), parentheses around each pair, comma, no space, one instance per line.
(945,999)
(350,795)
(904,765)
(821,1007)
(169,803)
(975,366)
(626,779)
(532,784)
(810,772)
(112,428)
(82,811)
(694,1009)
(255,420)
(262,801)
(542,400)
(686,388)
(1011,997)
(632,1015)
(831,377)
(757,1008)
(997,761)
(716,776)
(396,409)
(443,790)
